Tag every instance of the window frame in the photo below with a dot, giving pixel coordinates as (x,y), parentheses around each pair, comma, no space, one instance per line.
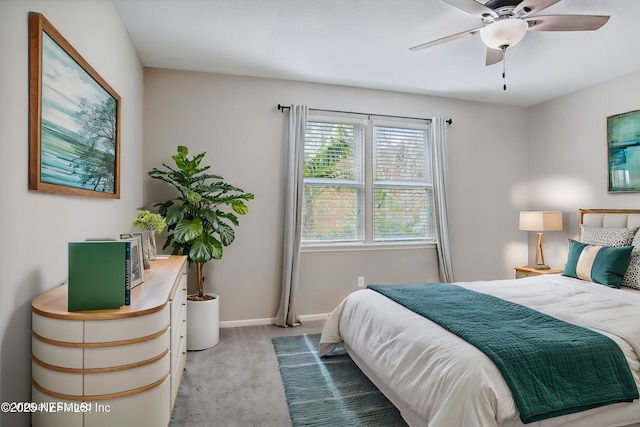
(367,242)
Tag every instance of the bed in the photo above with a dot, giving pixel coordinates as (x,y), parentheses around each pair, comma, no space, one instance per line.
(436,378)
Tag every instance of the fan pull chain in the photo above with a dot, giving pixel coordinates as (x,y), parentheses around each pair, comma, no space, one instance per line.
(504,68)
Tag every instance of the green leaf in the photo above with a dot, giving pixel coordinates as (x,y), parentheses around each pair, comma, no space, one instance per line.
(216,249)
(209,215)
(205,251)
(227,235)
(239,207)
(195,162)
(180,162)
(201,252)
(183,151)
(163,207)
(191,196)
(187,230)
(231,217)
(175,213)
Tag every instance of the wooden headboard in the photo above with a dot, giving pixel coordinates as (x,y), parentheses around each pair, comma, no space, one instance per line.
(609,218)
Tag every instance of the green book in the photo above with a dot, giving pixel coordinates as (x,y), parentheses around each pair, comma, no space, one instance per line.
(97,275)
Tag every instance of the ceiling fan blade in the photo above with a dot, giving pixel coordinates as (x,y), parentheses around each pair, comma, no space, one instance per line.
(494,56)
(444,40)
(566,22)
(472,7)
(530,7)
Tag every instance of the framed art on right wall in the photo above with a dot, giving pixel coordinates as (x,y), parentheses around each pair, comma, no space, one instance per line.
(623,148)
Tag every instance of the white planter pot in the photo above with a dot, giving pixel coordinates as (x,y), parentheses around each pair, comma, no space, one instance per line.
(203,323)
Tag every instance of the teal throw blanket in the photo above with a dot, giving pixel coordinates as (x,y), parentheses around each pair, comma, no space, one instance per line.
(551,367)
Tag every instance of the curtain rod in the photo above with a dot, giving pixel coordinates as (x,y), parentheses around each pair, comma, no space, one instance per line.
(284,107)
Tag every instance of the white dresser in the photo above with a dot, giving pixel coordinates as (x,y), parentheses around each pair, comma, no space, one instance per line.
(111,367)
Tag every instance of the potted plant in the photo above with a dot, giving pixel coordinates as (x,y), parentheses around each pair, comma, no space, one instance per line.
(150,223)
(200,223)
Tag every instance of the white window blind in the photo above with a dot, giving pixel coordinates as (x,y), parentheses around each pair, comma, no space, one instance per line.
(402,184)
(366,182)
(333,182)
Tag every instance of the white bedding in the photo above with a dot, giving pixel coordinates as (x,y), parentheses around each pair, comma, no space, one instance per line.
(445,381)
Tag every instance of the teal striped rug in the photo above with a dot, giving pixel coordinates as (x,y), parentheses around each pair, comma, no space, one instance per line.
(329,391)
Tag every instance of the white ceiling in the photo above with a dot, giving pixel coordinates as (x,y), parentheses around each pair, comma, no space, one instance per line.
(364,43)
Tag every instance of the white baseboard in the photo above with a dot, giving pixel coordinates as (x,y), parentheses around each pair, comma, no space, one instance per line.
(247,322)
(269,321)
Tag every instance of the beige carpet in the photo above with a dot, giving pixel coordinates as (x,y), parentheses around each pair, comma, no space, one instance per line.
(237,382)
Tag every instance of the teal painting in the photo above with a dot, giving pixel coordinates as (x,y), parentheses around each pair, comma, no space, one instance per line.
(76,141)
(623,140)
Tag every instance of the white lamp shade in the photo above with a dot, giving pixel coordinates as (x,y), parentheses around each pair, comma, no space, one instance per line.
(505,32)
(540,220)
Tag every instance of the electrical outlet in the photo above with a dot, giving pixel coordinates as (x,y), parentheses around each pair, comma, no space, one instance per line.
(361,282)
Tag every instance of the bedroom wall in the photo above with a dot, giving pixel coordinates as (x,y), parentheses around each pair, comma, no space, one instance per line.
(567,156)
(35,227)
(236,121)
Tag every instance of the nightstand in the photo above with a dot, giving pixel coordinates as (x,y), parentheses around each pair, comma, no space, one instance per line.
(528,271)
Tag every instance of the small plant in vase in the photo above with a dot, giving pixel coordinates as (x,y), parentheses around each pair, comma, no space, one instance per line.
(150,223)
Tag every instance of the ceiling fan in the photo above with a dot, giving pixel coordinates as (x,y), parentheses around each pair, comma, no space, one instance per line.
(505,22)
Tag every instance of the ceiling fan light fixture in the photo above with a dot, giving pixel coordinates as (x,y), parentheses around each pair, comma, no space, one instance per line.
(503,33)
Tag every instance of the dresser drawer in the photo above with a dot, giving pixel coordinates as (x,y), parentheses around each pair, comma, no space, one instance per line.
(103,357)
(178,324)
(57,355)
(127,328)
(54,419)
(57,381)
(128,379)
(178,345)
(139,410)
(57,329)
(179,299)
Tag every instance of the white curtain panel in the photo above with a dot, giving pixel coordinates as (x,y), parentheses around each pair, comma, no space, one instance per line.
(439,167)
(287,315)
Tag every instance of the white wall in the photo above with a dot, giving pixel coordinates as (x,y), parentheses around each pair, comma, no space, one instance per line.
(35,227)
(236,121)
(326,278)
(568,156)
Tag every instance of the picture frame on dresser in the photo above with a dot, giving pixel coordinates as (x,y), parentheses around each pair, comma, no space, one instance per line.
(146,261)
(623,148)
(137,263)
(137,267)
(74,119)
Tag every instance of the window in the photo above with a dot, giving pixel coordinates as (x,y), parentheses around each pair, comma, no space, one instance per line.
(333,194)
(403,196)
(366,181)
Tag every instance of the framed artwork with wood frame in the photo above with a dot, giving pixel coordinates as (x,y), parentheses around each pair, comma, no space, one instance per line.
(74,119)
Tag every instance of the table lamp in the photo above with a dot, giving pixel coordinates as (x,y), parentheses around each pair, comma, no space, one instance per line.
(540,221)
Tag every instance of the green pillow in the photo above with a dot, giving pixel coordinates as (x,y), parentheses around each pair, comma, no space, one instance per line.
(600,264)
